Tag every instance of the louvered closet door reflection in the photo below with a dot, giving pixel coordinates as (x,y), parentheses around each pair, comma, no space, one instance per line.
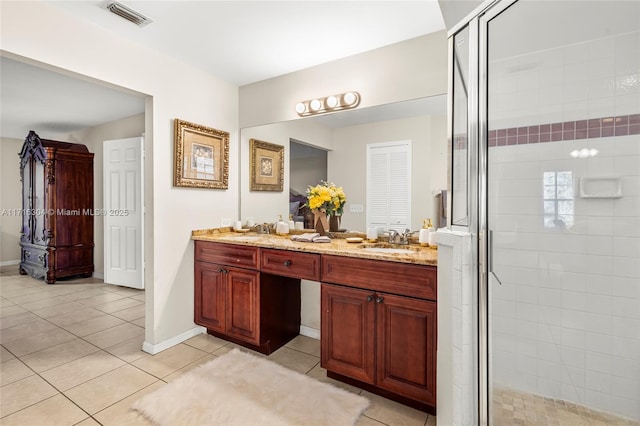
(389,185)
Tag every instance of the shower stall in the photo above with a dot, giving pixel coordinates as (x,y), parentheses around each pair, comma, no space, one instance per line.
(545,142)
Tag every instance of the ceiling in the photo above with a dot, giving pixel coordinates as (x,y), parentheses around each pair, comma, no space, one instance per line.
(249,41)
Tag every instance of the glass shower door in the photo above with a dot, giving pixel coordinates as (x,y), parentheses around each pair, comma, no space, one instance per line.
(562,147)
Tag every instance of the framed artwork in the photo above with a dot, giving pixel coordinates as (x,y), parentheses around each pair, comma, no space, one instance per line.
(201,156)
(266,165)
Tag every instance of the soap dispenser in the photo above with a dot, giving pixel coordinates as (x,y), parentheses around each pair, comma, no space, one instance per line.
(281,227)
(423,237)
(432,235)
(292,224)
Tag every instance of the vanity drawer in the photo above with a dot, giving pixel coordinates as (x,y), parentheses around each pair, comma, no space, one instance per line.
(378,275)
(291,264)
(227,254)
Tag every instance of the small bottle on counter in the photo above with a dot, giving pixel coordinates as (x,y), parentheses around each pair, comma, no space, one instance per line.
(292,224)
(432,235)
(423,237)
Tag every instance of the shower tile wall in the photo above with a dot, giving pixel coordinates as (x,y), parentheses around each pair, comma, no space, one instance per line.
(566,319)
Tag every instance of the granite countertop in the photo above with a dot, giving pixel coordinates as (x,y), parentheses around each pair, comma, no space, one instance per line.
(412,253)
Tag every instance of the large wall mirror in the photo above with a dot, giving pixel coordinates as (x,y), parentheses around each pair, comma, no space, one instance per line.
(334,147)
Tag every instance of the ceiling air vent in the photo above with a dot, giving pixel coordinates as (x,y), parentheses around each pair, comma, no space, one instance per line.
(127,13)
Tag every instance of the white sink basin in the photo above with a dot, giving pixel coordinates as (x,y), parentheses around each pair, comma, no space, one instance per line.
(389,250)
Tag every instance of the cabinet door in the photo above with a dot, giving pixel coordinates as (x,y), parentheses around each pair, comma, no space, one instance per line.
(347,332)
(406,339)
(243,308)
(210,293)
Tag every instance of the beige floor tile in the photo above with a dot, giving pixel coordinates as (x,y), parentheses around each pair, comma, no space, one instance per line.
(170,360)
(38,342)
(197,363)
(5,303)
(17,319)
(127,292)
(130,314)
(57,355)
(33,297)
(100,299)
(12,310)
(393,413)
(80,315)
(129,350)
(45,303)
(117,305)
(230,346)
(56,410)
(23,393)
(5,355)
(88,422)
(206,342)
(295,360)
(320,374)
(21,331)
(139,322)
(115,335)
(9,292)
(103,391)
(432,420)
(139,297)
(121,413)
(367,421)
(13,370)
(305,344)
(93,325)
(82,293)
(63,308)
(82,370)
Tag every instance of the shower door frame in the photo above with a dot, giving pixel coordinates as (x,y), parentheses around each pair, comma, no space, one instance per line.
(477,136)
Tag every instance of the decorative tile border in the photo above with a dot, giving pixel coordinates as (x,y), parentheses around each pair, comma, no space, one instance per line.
(569,130)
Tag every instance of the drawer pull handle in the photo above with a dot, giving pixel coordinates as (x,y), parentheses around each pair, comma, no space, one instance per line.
(223,271)
(379,299)
(287,263)
(370,298)
(27,254)
(41,257)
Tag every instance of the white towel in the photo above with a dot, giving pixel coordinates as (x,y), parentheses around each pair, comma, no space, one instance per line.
(311,237)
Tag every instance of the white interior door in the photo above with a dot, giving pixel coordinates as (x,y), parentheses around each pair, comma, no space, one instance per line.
(123,212)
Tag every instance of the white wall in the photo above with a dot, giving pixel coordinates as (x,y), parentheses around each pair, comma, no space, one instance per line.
(411,69)
(10,200)
(348,163)
(41,33)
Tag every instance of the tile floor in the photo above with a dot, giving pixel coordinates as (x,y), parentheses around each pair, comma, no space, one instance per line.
(512,407)
(70,355)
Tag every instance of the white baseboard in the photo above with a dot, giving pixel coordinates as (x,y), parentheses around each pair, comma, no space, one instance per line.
(314,333)
(159,347)
(98,275)
(9,263)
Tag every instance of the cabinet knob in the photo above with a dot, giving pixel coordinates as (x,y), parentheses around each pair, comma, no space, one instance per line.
(223,271)
(287,263)
(370,298)
(379,299)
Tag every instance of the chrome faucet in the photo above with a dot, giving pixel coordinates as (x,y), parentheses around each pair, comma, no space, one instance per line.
(262,228)
(399,238)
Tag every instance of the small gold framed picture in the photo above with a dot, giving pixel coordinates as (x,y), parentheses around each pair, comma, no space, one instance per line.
(266,165)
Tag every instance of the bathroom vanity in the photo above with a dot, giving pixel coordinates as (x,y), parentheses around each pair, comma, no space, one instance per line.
(378,305)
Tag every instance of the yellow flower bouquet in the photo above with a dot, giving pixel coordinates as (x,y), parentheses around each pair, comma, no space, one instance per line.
(328,197)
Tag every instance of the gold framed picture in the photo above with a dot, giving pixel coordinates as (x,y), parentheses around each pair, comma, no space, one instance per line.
(267,166)
(201,156)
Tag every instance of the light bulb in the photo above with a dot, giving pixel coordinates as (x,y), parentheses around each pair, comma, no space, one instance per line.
(349,98)
(332,101)
(315,105)
(300,108)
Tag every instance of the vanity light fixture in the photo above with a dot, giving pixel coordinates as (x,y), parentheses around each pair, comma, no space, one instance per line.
(328,104)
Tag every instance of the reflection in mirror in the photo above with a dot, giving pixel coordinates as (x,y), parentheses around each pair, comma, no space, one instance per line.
(344,137)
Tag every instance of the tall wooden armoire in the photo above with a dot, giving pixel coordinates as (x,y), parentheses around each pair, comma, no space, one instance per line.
(57,200)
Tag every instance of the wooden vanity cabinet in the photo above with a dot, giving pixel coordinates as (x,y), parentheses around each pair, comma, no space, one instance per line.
(241,304)
(370,336)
